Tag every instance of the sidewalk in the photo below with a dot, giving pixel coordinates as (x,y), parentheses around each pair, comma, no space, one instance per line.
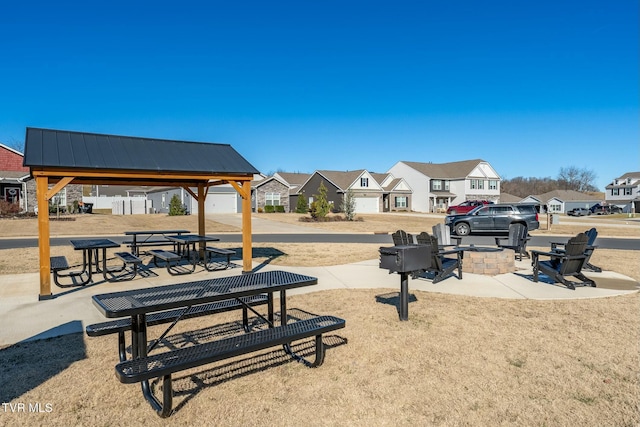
(25,318)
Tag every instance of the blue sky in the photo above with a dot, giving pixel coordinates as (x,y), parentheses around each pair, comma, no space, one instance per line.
(530,86)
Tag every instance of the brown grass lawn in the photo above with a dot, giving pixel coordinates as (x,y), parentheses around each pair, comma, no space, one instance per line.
(459,360)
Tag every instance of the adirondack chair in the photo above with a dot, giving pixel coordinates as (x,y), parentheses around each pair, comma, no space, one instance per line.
(591,235)
(443,234)
(517,240)
(566,263)
(441,266)
(401,237)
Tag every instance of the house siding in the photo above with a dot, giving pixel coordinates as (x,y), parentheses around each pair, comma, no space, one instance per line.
(273,186)
(334,196)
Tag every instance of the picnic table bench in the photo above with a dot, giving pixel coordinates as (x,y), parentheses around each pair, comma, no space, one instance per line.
(140,302)
(150,238)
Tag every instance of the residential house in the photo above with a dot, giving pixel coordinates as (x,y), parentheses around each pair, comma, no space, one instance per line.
(396,194)
(294,180)
(16,185)
(272,191)
(561,201)
(625,192)
(220,198)
(372,192)
(436,186)
(13,177)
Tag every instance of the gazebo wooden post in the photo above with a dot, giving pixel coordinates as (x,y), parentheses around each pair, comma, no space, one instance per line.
(42,186)
(202,196)
(246,228)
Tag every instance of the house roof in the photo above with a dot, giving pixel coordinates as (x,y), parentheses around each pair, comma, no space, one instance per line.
(452,170)
(65,149)
(622,181)
(342,179)
(294,178)
(567,196)
(509,198)
(13,174)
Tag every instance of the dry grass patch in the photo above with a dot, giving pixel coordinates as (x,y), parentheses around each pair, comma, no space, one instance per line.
(96,224)
(457,361)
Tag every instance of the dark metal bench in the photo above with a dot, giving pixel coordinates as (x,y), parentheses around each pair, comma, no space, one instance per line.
(211,252)
(171,260)
(58,264)
(165,364)
(121,326)
(127,259)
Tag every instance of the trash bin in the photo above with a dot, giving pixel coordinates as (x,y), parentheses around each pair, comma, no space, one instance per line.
(555,219)
(86,208)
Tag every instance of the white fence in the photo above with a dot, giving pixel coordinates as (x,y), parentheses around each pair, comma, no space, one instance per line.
(121,205)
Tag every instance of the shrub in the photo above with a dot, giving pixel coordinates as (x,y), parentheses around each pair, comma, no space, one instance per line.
(303,205)
(269,209)
(176,207)
(279,208)
(320,207)
(7,208)
(349,205)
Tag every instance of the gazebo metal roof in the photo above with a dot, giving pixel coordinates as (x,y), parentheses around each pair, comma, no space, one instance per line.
(63,157)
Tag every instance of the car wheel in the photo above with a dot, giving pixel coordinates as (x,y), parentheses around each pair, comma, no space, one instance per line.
(462,229)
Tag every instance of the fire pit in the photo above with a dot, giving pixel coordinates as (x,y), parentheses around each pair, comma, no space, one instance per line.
(489,261)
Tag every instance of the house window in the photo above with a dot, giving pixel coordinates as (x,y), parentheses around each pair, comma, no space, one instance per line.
(555,207)
(60,199)
(364,182)
(446,185)
(477,184)
(272,199)
(436,184)
(493,184)
(615,191)
(401,202)
(481,184)
(628,191)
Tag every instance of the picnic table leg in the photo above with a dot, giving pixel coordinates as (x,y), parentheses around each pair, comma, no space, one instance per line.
(287,347)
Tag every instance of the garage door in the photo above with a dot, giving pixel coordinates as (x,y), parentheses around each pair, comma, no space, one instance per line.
(367,204)
(221,203)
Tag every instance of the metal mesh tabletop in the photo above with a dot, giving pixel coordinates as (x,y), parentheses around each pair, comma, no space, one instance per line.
(138,301)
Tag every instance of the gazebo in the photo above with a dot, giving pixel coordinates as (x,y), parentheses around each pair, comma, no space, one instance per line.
(57,158)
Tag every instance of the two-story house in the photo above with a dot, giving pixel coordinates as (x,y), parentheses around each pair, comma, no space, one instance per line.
(436,186)
(624,192)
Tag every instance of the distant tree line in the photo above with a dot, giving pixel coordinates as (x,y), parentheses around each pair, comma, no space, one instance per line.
(569,178)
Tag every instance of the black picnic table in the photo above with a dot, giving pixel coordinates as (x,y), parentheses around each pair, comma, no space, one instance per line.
(187,243)
(91,256)
(137,303)
(147,240)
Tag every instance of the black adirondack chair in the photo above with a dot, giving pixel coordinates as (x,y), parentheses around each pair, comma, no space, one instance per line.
(401,237)
(443,234)
(591,236)
(441,265)
(517,240)
(566,263)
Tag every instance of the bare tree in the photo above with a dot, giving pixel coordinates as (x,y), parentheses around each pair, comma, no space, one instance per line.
(15,144)
(574,178)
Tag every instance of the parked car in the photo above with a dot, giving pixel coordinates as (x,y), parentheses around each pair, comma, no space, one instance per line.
(579,212)
(466,207)
(599,209)
(493,218)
